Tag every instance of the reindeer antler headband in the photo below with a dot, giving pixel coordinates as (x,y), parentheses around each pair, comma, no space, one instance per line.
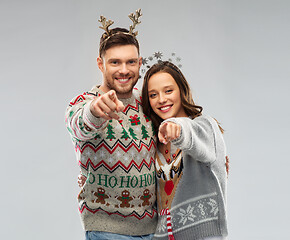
(107,23)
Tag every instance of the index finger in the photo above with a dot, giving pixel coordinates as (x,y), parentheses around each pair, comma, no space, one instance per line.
(162,133)
(162,128)
(119,105)
(113,115)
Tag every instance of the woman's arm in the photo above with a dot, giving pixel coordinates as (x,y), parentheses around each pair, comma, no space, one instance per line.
(196,137)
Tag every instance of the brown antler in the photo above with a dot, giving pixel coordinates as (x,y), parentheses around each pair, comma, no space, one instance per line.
(135,19)
(106,24)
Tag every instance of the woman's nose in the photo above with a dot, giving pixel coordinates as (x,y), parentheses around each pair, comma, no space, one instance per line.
(162,98)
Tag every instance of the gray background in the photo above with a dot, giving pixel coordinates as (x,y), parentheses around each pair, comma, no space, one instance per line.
(235,54)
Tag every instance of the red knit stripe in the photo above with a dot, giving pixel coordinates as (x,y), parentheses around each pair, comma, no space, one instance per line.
(168,220)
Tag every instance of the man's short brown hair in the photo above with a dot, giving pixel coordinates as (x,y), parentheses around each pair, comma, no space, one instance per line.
(119,36)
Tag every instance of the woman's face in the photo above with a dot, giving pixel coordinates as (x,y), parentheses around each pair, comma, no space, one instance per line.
(164,96)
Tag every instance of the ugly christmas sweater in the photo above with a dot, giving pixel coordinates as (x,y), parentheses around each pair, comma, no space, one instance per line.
(191,182)
(117,157)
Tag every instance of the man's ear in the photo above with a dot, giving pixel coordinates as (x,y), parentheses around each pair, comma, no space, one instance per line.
(140,62)
(100,63)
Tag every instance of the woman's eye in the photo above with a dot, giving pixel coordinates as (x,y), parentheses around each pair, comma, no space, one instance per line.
(169,91)
(152,95)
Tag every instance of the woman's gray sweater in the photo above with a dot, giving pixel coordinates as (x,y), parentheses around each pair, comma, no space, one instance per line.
(193,185)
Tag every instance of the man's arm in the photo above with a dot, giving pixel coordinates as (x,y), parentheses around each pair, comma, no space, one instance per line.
(87,114)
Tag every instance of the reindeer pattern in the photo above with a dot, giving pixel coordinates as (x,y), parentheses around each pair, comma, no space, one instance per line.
(169,175)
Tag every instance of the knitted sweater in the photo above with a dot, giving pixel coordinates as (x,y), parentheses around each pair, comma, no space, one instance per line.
(117,156)
(192,185)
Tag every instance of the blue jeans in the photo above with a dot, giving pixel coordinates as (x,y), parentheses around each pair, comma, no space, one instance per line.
(96,235)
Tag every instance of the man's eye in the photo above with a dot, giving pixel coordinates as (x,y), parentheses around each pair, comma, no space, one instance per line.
(114,62)
(132,62)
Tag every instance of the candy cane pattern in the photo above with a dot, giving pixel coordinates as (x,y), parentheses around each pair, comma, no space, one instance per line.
(168,219)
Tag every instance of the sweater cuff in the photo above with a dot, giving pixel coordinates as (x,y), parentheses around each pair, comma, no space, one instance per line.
(92,121)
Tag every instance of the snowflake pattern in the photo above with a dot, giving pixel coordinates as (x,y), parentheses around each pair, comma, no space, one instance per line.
(144,61)
(201,208)
(214,206)
(186,215)
(144,153)
(102,154)
(162,226)
(158,55)
(191,213)
(137,157)
(118,154)
(111,160)
(88,153)
(118,126)
(133,154)
(137,131)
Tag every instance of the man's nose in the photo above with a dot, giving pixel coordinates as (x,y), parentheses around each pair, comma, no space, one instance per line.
(124,69)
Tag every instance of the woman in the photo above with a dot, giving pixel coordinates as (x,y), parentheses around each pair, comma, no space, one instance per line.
(190,160)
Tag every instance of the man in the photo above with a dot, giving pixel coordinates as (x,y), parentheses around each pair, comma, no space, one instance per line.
(115,145)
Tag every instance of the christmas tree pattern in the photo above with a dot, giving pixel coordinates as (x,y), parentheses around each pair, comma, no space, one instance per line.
(110,133)
(97,136)
(132,133)
(144,132)
(125,134)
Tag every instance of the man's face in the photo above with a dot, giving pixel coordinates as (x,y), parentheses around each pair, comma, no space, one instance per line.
(120,67)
